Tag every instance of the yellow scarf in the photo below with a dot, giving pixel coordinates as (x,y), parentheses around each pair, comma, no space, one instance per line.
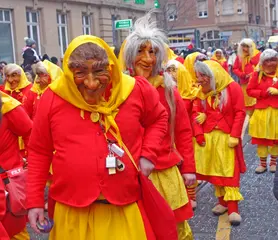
(122,85)
(189,65)
(170,53)
(221,61)
(247,58)
(23,82)
(263,73)
(222,80)
(54,72)
(121,57)
(156,81)
(8,103)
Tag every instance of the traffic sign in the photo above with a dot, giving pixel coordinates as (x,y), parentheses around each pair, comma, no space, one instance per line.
(123,24)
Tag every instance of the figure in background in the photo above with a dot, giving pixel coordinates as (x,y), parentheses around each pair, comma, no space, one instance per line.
(263,124)
(218,56)
(218,149)
(231,62)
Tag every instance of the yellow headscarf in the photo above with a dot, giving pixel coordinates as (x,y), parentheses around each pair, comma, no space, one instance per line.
(170,53)
(222,60)
(8,103)
(263,73)
(246,59)
(23,82)
(189,65)
(121,57)
(54,72)
(222,80)
(122,86)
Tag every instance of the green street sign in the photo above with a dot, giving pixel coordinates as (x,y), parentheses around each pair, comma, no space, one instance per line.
(139,1)
(123,24)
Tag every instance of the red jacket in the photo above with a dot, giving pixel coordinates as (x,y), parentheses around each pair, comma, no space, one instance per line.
(79,172)
(249,68)
(168,156)
(31,104)
(259,91)
(14,123)
(230,119)
(20,96)
(188,106)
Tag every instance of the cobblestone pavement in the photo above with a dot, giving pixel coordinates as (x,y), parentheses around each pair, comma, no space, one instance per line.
(259,210)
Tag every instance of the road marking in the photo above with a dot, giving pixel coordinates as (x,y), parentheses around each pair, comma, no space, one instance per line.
(224,228)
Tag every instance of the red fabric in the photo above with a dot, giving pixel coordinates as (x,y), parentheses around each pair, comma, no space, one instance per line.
(180,59)
(222,202)
(264,142)
(2,200)
(249,68)
(188,106)
(79,172)
(230,120)
(3,234)
(31,104)
(224,65)
(168,156)
(14,123)
(184,213)
(259,91)
(200,139)
(1,87)
(20,96)
(232,207)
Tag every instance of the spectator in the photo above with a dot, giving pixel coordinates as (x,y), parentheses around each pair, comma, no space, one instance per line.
(2,65)
(54,60)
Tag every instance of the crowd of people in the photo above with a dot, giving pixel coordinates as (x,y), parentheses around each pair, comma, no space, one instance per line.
(122,141)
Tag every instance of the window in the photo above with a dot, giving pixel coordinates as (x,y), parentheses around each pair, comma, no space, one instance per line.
(86,24)
(172,12)
(32,19)
(6,37)
(62,32)
(202,8)
(227,7)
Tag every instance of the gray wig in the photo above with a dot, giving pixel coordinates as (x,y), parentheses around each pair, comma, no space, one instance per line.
(204,69)
(145,30)
(249,42)
(267,54)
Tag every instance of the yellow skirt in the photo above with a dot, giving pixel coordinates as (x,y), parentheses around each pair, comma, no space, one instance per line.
(23,235)
(216,158)
(264,124)
(249,101)
(98,221)
(171,186)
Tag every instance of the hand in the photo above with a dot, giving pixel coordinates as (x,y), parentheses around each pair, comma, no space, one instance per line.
(201,140)
(35,214)
(146,166)
(233,142)
(201,118)
(248,76)
(189,178)
(272,91)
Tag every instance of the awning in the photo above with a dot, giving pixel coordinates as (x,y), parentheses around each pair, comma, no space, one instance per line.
(273,39)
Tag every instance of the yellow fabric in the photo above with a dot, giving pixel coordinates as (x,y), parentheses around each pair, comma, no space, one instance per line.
(8,103)
(221,61)
(122,85)
(263,73)
(54,72)
(229,193)
(23,235)
(121,57)
(263,151)
(222,80)
(156,81)
(233,142)
(98,221)
(23,82)
(216,158)
(189,65)
(246,59)
(249,101)
(170,53)
(21,143)
(185,83)
(264,123)
(184,231)
(171,186)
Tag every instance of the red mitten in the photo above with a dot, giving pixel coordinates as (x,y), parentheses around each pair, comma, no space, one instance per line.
(201,139)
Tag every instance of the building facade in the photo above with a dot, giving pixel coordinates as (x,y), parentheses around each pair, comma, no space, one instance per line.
(54,23)
(218,23)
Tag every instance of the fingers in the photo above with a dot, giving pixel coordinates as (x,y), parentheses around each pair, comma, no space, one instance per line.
(32,216)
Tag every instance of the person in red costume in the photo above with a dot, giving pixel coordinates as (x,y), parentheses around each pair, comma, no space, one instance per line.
(91,107)
(263,124)
(15,123)
(46,72)
(218,149)
(144,55)
(247,59)
(218,56)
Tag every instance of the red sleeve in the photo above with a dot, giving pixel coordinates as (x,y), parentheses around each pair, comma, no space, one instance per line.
(237,68)
(197,107)
(225,66)
(154,120)
(29,103)
(252,89)
(40,152)
(237,97)
(3,233)
(183,136)
(255,60)
(19,122)
(2,201)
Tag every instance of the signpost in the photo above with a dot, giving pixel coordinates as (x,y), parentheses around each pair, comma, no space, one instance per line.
(123,24)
